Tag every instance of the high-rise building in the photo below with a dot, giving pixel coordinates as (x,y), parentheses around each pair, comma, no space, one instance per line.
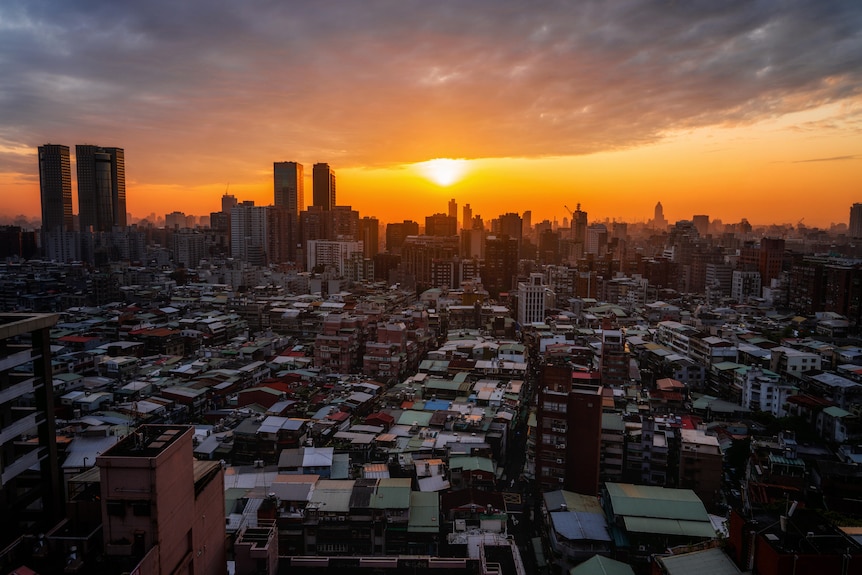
(369,233)
(101,187)
(55,182)
(658,219)
(323,186)
(701,223)
(579,226)
(30,482)
(341,223)
(289,185)
(441,225)
(397,232)
(248,233)
(569,429)
(597,240)
(466,217)
(228,202)
(501,264)
(856,221)
(532,300)
(334,254)
(453,209)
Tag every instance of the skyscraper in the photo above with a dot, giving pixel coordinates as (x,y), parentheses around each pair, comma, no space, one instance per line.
(323,186)
(579,226)
(856,221)
(453,211)
(55,182)
(289,185)
(101,187)
(466,217)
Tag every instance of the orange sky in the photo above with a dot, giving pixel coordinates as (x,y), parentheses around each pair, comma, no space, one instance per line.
(731,111)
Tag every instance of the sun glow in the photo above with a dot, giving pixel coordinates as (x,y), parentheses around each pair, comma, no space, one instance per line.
(443,171)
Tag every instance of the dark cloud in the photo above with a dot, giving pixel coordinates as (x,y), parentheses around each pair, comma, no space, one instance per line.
(374,82)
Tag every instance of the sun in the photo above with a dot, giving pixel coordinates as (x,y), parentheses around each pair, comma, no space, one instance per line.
(443,171)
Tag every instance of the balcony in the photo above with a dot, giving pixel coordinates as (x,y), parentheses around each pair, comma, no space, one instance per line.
(21,427)
(22,464)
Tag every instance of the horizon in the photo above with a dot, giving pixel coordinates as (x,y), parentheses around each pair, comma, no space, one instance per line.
(735,112)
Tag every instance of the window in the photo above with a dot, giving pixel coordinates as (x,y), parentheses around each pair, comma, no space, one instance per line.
(141,508)
(116,508)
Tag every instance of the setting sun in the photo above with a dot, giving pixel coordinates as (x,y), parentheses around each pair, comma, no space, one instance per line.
(443,171)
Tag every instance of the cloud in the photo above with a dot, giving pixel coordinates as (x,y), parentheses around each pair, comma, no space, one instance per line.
(832,159)
(217,86)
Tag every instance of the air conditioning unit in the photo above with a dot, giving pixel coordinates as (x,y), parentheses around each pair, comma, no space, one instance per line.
(342,518)
(561,446)
(560,479)
(559,461)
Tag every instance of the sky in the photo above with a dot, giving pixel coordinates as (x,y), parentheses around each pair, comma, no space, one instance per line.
(734,109)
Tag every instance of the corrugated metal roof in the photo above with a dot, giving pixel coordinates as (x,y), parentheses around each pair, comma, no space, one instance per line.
(655,502)
(424,513)
(708,561)
(579,525)
(600,565)
(669,526)
(393,493)
(332,496)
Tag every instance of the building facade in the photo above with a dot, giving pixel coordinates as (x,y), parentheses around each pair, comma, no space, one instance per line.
(101,187)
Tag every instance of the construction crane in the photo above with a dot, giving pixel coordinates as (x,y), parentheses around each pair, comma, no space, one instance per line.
(571,213)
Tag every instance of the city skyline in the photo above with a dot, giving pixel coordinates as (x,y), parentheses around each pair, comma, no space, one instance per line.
(735,111)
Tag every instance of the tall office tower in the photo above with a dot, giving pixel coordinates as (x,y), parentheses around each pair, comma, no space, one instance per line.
(248,233)
(856,221)
(101,187)
(396,233)
(453,211)
(55,182)
(569,429)
(527,224)
(161,508)
(323,186)
(30,482)
(369,233)
(658,220)
(228,202)
(289,185)
(441,225)
(466,217)
(579,226)
(501,264)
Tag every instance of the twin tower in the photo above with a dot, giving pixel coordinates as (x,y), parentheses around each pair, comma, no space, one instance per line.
(101,188)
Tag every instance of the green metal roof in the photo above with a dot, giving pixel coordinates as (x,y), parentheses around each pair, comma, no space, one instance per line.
(711,561)
(471,464)
(834,411)
(628,500)
(424,512)
(669,527)
(392,493)
(600,565)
